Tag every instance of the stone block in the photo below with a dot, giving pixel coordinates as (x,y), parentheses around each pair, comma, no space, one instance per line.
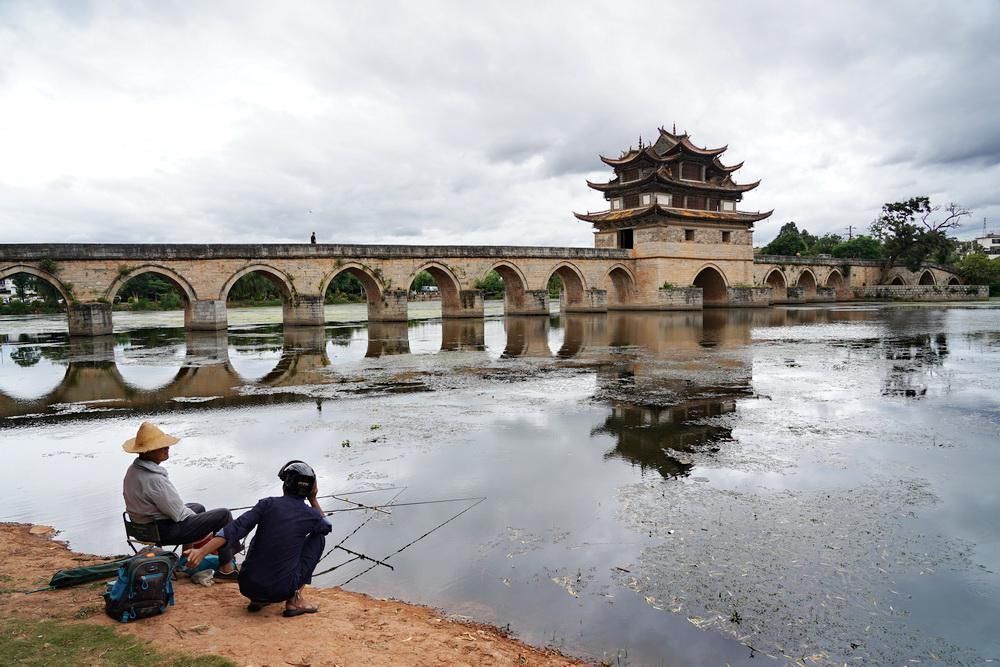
(795,295)
(89,319)
(470,304)
(532,302)
(206,315)
(825,294)
(304,310)
(748,297)
(392,307)
(593,301)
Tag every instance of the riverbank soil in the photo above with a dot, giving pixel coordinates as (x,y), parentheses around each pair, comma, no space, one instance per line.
(350,628)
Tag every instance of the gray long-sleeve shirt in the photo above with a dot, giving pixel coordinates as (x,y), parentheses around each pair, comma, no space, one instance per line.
(150,495)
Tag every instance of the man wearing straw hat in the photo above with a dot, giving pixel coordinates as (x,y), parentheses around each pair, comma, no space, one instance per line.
(151,497)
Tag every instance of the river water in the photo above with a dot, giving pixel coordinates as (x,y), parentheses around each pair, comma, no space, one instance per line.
(810,484)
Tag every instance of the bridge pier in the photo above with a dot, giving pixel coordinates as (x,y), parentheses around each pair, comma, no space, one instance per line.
(89,319)
(532,302)
(206,315)
(391,308)
(594,301)
(470,304)
(206,346)
(304,310)
(386,338)
(463,334)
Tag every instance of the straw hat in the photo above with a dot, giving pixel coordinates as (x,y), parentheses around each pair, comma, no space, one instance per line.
(148,438)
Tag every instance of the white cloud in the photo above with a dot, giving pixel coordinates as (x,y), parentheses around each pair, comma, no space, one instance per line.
(456,122)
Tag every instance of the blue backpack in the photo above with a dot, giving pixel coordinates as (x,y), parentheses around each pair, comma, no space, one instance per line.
(144,586)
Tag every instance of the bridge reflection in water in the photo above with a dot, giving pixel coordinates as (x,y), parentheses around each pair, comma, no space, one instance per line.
(669,378)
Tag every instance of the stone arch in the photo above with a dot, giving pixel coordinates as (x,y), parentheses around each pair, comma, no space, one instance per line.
(835,279)
(514,285)
(713,284)
(898,280)
(279,278)
(573,282)
(926,278)
(177,280)
(807,281)
(369,281)
(954,281)
(621,283)
(775,279)
(38,273)
(448,284)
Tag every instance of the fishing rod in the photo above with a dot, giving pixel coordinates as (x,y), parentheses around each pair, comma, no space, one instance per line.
(416,502)
(359,527)
(477,500)
(337,496)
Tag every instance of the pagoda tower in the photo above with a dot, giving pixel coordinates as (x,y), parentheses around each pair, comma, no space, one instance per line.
(675,205)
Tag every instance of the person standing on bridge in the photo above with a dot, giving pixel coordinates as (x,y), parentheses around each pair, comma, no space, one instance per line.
(150,497)
(312,239)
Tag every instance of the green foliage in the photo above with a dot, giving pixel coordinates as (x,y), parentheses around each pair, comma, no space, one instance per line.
(860,247)
(789,241)
(978,269)
(33,295)
(825,244)
(255,286)
(911,236)
(422,279)
(345,288)
(555,286)
(30,642)
(492,285)
(667,285)
(150,291)
(49,266)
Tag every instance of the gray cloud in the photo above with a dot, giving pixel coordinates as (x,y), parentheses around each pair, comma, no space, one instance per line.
(450,122)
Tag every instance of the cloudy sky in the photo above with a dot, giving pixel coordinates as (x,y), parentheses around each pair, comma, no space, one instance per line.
(465,123)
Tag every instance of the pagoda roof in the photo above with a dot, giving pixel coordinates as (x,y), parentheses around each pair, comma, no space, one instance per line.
(662,177)
(667,148)
(617,218)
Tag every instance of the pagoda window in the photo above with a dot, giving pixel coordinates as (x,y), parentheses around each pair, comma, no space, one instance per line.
(663,199)
(695,202)
(713,204)
(692,171)
(689,235)
(625,238)
(727,237)
(728,205)
(632,201)
(647,199)
(616,204)
(630,175)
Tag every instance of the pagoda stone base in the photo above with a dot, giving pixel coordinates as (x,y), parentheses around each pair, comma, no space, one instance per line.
(304,311)
(747,297)
(532,302)
(206,315)
(593,301)
(89,319)
(470,304)
(392,307)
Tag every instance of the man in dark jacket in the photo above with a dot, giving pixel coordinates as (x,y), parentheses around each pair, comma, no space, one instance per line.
(288,544)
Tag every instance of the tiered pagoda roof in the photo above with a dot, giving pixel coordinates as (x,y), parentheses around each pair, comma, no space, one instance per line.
(674,179)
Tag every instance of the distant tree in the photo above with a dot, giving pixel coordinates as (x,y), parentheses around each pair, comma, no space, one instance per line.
(978,269)
(555,286)
(789,241)
(860,247)
(492,285)
(825,244)
(911,234)
(254,286)
(422,279)
(345,288)
(22,283)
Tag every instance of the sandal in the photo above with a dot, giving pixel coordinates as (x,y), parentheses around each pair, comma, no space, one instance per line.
(298,611)
(256,605)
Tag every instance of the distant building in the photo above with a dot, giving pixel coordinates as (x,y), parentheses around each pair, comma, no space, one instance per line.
(8,292)
(990,244)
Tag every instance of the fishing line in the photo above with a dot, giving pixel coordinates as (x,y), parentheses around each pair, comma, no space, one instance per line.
(335,496)
(359,527)
(409,544)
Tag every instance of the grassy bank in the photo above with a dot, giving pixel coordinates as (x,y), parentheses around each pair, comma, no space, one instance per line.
(33,642)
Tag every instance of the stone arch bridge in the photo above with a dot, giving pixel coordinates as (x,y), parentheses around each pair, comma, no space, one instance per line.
(90,276)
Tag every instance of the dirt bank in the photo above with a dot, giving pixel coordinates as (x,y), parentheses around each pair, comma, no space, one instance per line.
(350,629)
